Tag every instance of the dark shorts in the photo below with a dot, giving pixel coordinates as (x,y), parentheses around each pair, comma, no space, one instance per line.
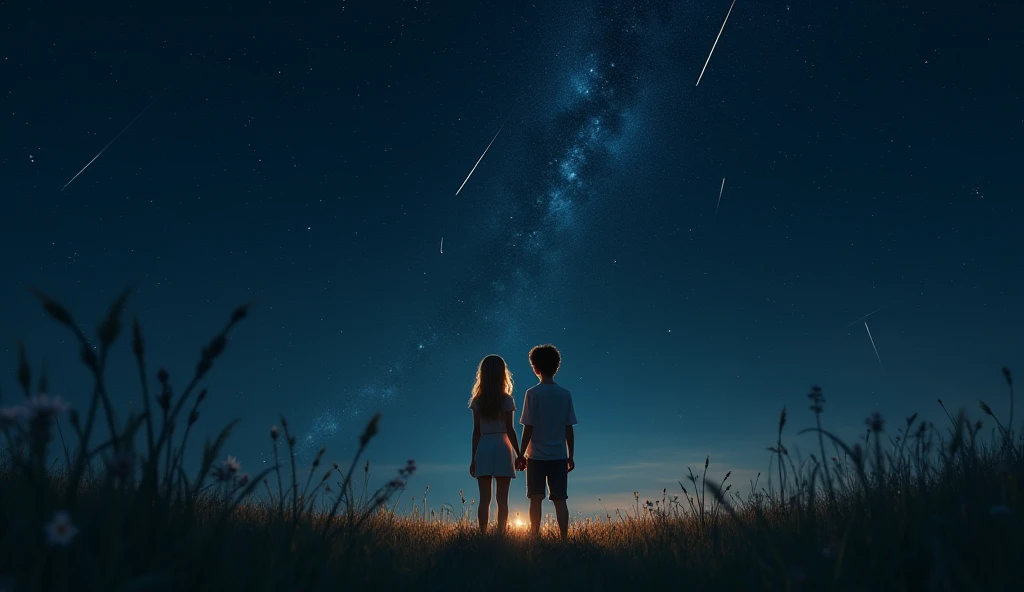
(553,473)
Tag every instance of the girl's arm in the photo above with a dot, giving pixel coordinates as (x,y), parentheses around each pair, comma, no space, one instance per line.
(476,434)
(510,429)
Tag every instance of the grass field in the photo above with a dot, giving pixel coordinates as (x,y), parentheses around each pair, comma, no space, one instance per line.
(914,506)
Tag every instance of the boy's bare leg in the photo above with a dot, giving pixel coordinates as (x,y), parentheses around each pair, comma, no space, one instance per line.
(535,503)
(562,514)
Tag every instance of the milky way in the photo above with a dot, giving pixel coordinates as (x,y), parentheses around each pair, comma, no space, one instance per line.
(542,215)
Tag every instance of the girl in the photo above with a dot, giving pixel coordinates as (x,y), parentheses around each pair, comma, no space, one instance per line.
(495,446)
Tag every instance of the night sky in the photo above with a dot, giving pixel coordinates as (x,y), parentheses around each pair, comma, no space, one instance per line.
(307,159)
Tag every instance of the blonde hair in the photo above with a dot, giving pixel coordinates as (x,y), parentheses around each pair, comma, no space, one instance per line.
(493,381)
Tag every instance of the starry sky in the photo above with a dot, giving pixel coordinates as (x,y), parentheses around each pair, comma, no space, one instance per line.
(307,157)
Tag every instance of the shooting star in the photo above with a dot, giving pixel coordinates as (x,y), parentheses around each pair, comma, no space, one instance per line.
(873,345)
(482,156)
(720,189)
(442,245)
(868,315)
(108,145)
(716,43)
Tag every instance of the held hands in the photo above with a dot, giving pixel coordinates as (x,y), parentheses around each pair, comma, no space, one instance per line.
(520,463)
(571,464)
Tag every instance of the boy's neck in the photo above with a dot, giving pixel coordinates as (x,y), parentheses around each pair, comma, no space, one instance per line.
(547,380)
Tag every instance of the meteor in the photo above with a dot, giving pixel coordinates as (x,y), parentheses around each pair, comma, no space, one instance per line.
(868,315)
(482,156)
(442,245)
(720,189)
(98,154)
(716,43)
(873,345)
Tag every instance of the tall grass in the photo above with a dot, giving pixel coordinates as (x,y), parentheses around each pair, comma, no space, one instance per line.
(924,508)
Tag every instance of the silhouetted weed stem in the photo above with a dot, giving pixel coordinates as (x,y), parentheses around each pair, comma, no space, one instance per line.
(364,440)
(290,440)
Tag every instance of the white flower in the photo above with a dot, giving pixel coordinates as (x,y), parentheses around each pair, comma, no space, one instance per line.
(226,469)
(11,416)
(232,465)
(44,406)
(60,531)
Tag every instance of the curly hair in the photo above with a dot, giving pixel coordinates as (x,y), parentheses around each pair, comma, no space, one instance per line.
(545,359)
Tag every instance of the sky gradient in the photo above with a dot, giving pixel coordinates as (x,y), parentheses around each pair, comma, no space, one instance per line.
(307,160)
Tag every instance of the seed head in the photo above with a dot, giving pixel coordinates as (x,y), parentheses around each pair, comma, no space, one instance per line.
(371,430)
(875,422)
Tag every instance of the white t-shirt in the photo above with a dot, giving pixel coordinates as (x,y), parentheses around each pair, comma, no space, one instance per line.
(548,408)
(496,425)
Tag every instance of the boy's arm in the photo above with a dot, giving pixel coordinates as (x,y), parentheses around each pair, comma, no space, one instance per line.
(570,443)
(527,436)
(527,420)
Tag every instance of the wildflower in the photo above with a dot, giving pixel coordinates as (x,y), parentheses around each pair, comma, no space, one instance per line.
(60,531)
(875,422)
(11,416)
(226,469)
(42,406)
(274,432)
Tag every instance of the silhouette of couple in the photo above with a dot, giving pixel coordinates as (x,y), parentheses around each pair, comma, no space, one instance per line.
(548,440)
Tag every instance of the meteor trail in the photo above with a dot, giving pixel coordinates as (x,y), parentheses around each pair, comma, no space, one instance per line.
(442,245)
(108,145)
(482,156)
(720,189)
(873,345)
(868,315)
(716,43)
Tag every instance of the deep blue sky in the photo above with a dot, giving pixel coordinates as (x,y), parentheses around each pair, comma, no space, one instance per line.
(307,159)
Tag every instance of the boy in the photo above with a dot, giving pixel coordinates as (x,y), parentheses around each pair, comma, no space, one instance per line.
(548,439)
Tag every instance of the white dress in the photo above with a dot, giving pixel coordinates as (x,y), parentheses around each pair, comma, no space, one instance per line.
(494,454)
